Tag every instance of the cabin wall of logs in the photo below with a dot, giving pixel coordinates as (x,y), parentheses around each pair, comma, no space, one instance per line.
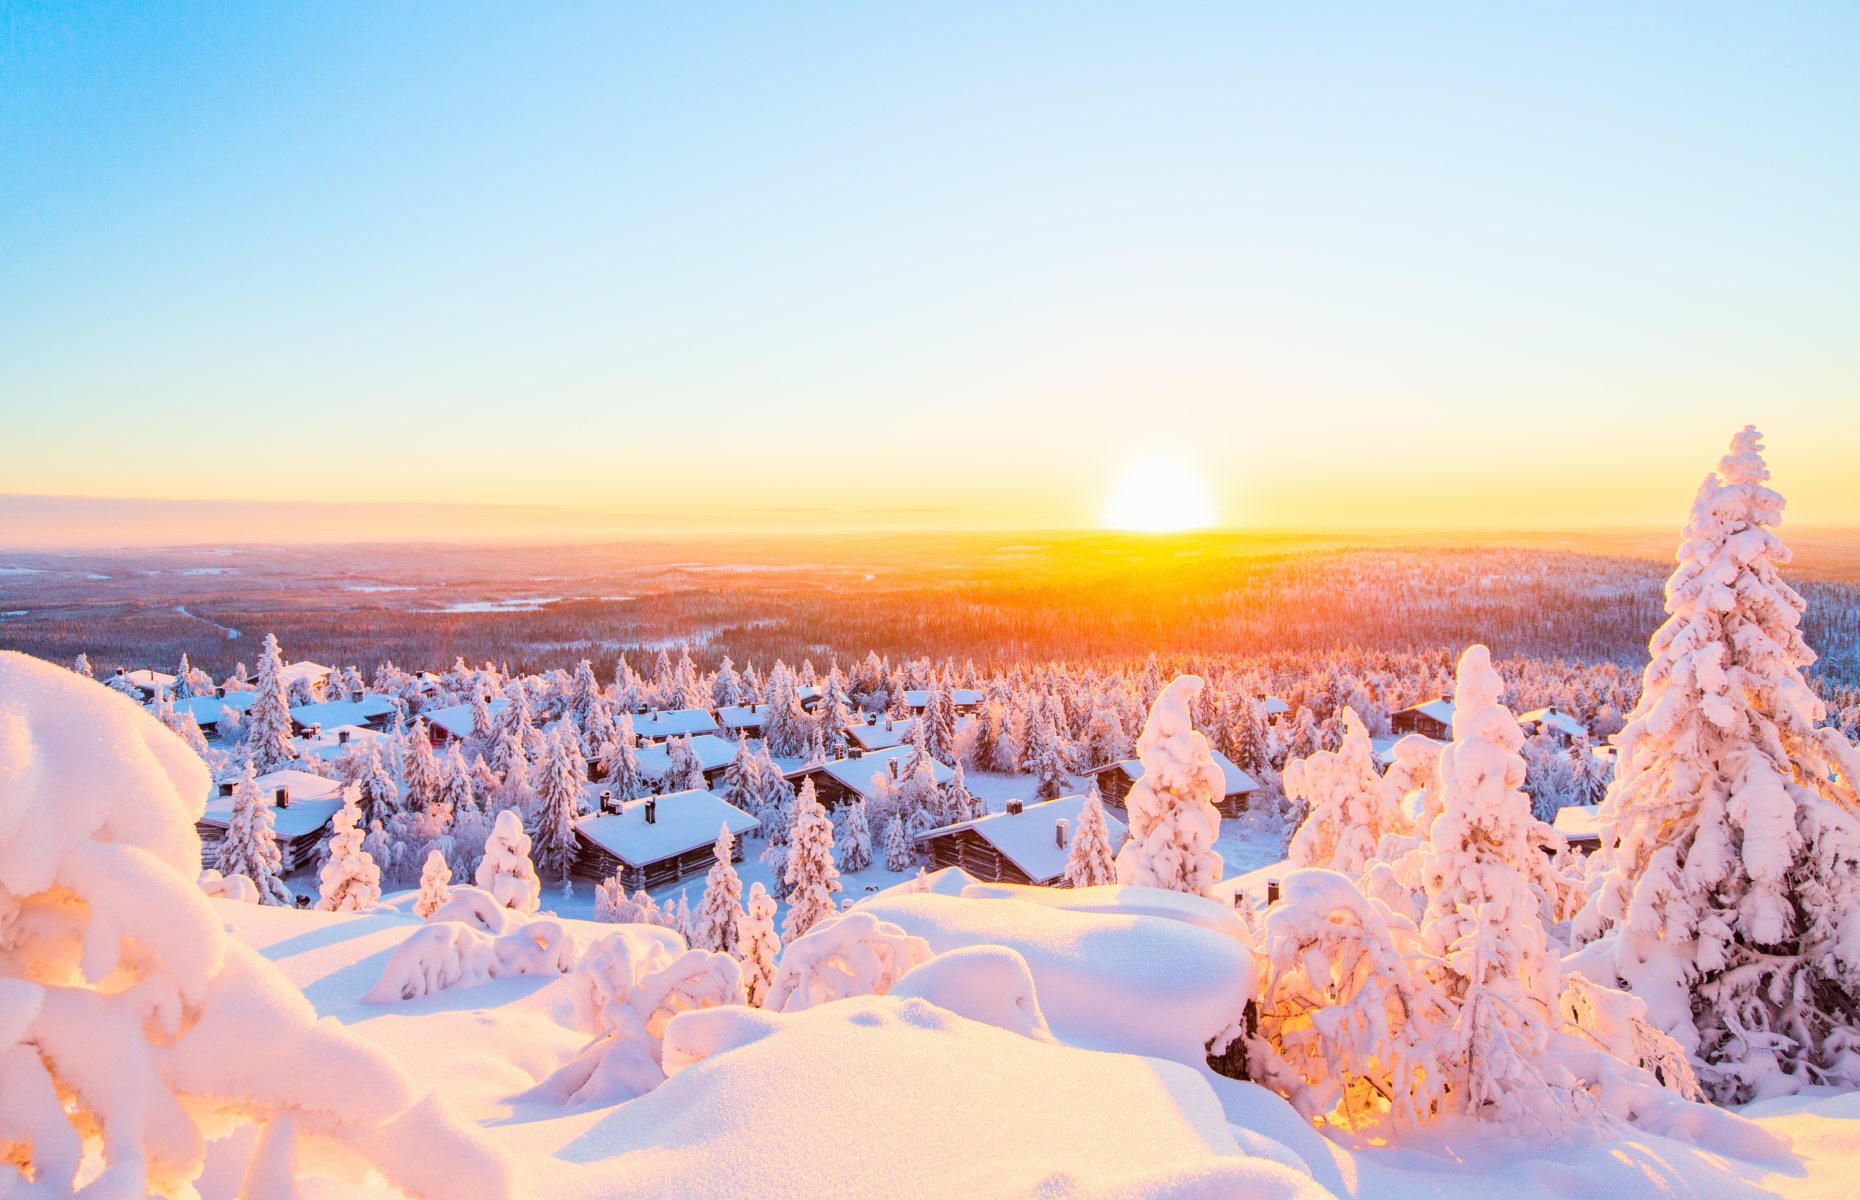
(596,862)
(977,855)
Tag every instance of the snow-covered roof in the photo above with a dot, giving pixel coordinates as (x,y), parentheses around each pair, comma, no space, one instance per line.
(920,697)
(684,821)
(1237,782)
(674,722)
(712,752)
(1578,823)
(206,709)
(330,713)
(1029,838)
(856,773)
(1273,706)
(314,800)
(1251,884)
(1439,710)
(883,735)
(306,670)
(742,716)
(146,679)
(455,719)
(328,745)
(1555,719)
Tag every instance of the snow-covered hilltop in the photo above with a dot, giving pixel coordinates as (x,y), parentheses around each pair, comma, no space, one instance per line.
(1327,946)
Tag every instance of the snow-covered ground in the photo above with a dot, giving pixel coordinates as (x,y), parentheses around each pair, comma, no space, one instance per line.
(881,1097)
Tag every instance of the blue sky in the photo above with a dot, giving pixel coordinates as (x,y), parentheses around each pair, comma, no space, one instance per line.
(1351,263)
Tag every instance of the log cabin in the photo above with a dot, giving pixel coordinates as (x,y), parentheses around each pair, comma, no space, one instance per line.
(1027,843)
(658,840)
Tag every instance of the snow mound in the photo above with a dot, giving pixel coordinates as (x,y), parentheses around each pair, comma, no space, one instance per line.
(965,1109)
(854,954)
(990,984)
(135,1029)
(1215,916)
(449,954)
(1117,979)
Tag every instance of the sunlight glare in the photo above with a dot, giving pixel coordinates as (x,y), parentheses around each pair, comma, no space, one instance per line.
(1159,496)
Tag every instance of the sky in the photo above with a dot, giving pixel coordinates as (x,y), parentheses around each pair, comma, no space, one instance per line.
(1337,266)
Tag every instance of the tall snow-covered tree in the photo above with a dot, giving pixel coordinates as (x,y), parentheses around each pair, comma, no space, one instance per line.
(1730,870)
(350,881)
(421,769)
(811,876)
(757,946)
(558,803)
(1043,758)
(268,721)
(250,847)
(684,772)
(1483,924)
(720,913)
(1174,818)
(620,759)
(1088,859)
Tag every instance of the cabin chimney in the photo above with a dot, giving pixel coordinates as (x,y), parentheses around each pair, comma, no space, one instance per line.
(652,810)
(870,718)
(887,724)
(1272,891)
(219,691)
(342,737)
(316,730)
(1060,828)
(226,789)
(753,706)
(893,764)
(284,797)
(607,800)
(1015,807)
(855,752)
(119,670)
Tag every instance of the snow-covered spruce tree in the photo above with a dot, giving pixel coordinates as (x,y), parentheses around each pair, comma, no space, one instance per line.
(855,838)
(268,721)
(757,946)
(685,773)
(250,848)
(422,774)
(1174,821)
(1348,811)
(435,885)
(720,913)
(1730,870)
(123,1056)
(380,794)
(1088,861)
(897,846)
(620,759)
(350,880)
(1043,759)
(82,666)
(558,803)
(811,876)
(506,870)
(1497,975)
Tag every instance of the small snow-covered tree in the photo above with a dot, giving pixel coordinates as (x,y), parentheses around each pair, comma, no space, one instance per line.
(720,913)
(420,767)
(350,881)
(685,773)
(268,720)
(856,842)
(1730,859)
(82,666)
(897,846)
(811,876)
(250,846)
(620,760)
(757,946)
(435,881)
(1174,818)
(506,871)
(1088,859)
(1347,810)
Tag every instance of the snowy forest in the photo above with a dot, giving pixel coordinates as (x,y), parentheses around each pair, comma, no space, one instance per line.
(1308,922)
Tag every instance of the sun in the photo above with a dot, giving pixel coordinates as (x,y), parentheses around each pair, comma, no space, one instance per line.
(1159,495)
